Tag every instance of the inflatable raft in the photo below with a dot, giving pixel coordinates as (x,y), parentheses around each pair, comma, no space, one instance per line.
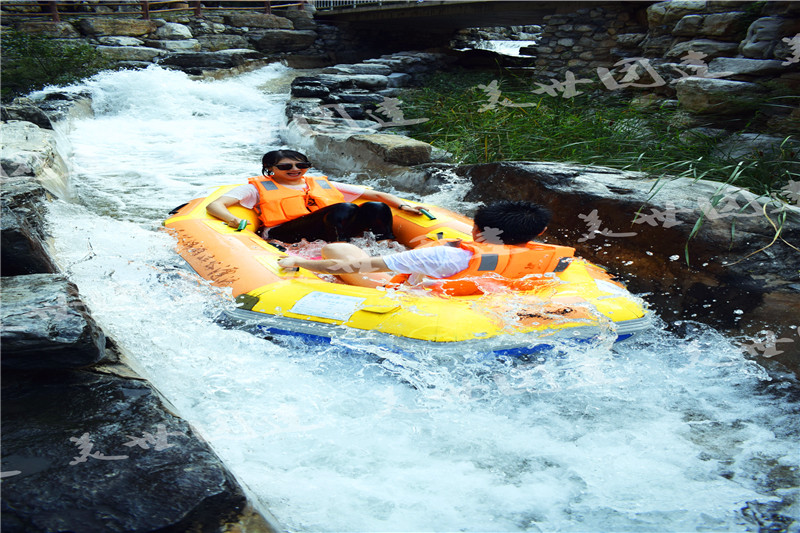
(568,300)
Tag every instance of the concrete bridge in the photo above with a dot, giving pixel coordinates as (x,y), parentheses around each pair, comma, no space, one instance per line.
(447,16)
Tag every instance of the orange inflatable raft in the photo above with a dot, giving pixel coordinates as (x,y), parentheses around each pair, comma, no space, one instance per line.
(568,300)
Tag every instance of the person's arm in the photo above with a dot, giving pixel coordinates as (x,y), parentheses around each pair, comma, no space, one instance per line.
(336,266)
(219,209)
(390,200)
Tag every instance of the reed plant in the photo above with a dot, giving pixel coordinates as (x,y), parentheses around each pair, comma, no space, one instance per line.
(606,128)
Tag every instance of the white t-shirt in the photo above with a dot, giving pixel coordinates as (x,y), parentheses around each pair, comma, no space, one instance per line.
(435,262)
(247,194)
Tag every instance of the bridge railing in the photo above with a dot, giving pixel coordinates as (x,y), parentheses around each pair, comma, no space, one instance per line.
(327,5)
(55,10)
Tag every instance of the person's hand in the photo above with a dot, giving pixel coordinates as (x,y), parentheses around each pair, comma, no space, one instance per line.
(234,222)
(287,262)
(410,208)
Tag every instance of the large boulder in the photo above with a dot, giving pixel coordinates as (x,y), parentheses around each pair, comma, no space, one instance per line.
(46,325)
(85,451)
(717,96)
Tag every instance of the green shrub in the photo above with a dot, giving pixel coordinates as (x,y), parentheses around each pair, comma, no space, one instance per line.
(31,62)
(599,128)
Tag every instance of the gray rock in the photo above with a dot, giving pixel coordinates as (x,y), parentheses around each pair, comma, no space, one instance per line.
(709,47)
(171,31)
(764,35)
(46,325)
(716,96)
(753,145)
(59,30)
(196,61)
(688,26)
(26,113)
(214,43)
(258,20)
(728,26)
(187,45)
(740,66)
(119,41)
(112,26)
(279,41)
(129,53)
(399,79)
(358,68)
(98,452)
(23,246)
(395,149)
(28,150)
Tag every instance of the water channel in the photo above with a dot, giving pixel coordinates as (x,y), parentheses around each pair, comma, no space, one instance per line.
(675,432)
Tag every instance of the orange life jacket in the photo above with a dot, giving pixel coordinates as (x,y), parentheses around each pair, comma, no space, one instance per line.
(278,204)
(502,263)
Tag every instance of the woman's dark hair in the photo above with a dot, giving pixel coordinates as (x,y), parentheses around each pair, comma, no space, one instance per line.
(511,222)
(271,158)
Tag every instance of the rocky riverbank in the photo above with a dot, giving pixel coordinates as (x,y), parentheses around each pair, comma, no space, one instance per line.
(81,430)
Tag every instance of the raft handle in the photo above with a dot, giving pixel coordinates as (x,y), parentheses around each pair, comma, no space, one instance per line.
(427,213)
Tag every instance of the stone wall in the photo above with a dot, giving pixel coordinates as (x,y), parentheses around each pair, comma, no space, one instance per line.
(181,40)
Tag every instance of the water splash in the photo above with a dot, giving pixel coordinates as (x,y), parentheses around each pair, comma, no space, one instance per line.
(671,432)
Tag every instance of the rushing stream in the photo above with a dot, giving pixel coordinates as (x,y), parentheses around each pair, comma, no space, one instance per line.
(676,432)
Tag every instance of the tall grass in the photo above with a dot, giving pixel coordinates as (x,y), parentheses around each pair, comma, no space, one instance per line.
(602,128)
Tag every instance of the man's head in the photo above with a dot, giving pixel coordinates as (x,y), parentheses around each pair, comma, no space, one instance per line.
(510,222)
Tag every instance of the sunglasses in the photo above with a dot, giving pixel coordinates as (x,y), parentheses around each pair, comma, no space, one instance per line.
(288,166)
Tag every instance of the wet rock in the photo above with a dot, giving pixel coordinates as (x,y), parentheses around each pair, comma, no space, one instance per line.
(26,113)
(195,62)
(92,452)
(46,325)
(21,219)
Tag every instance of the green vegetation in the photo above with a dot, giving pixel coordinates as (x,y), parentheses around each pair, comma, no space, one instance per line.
(31,62)
(603,128)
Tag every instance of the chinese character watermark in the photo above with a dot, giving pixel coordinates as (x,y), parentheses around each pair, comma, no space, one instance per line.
(766,346)
(593,223)
(794,46)
(85,446)
(159,440)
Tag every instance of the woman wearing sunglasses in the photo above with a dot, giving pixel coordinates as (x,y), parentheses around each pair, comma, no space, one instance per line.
(292,206)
